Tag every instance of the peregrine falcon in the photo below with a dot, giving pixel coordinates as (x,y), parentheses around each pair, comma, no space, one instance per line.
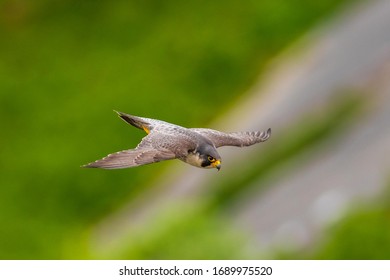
(164,141)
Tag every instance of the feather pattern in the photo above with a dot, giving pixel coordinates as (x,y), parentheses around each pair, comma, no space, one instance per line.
(131,158)
(165,141)
(239,139)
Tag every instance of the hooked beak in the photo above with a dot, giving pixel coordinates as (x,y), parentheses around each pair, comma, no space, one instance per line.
(217,164)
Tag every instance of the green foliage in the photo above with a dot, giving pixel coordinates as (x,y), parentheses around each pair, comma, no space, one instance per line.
(64,65)
(191,234)
(364,233)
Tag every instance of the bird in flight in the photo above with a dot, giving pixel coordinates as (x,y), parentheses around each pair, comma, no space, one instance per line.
(165,141)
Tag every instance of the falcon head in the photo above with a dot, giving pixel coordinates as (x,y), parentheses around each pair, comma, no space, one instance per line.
(205,156)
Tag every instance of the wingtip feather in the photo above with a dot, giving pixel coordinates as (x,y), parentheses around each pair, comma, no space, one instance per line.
(89,165)
(120,114)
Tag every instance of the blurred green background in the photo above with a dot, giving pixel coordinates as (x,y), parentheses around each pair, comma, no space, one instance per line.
(65,65)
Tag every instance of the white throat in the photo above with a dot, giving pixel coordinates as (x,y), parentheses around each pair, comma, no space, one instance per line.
(194,159)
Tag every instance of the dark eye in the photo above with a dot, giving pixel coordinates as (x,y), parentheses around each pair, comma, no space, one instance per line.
(211,159)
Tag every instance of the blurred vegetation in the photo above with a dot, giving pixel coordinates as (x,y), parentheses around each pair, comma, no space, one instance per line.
(363,234)
(191,233)
(64,65)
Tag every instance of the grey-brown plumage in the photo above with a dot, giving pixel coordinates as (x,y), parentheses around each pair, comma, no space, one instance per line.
(195,146)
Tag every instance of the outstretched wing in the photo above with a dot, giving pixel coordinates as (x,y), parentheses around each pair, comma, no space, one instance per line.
(131,158)
(239,139)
